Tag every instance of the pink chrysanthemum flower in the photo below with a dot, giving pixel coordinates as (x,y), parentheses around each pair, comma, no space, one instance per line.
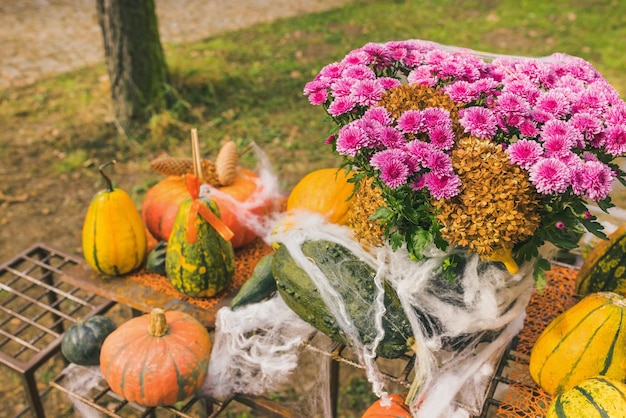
(597,180)
(434,116)
(423,76)
(461,91)
(511,104)
(586,123)
(439,163)
(367,92)
(318,97)
(555,128)
(418,151)
(341,105)
(418,183)
(372,130)
(479,121)
(445,187)
(391,137)
(524,153)
(342,87)
(486,86)
(359,72)
(331,71)
(557,147)
(379,114)
(528,128)
(524,89)
(315,86)
(550,176)
(441,137)
(573,84)
(554,102)
(393,171)
(356,57)
(411,121)
(591,101)
(615,140)
(350,140)
(616,114)
(389,83)
(412,58)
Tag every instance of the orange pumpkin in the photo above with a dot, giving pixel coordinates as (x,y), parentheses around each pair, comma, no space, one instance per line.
(161,203)
(325,191)
(156,359)
(397,409)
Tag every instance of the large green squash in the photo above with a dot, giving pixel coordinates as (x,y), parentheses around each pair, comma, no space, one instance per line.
(353,279)
(593,397)
(205,267)
(604,269)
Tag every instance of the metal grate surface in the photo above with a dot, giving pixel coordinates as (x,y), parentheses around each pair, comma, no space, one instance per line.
(97,396)
(35,309)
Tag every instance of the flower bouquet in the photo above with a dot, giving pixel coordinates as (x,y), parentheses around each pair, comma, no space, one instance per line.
(494,154)
(465,165)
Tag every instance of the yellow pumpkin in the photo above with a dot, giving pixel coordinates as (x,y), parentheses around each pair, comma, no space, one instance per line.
(588,339)
(114,237)
(325,191)
(593,397)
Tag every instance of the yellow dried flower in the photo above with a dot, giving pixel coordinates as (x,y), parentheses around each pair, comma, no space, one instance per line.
(365,201)
(497,206)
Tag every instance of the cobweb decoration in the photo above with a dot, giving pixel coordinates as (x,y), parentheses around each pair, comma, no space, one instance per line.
(460,327)
(79,380)
(255,348)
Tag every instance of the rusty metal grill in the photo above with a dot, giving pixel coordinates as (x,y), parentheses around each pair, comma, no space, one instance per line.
(35,309)
(99,397)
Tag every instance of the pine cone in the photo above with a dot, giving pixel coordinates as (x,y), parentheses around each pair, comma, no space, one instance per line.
(170,166)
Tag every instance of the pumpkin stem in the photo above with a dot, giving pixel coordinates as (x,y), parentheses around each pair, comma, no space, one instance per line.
(157,326)
(106,178)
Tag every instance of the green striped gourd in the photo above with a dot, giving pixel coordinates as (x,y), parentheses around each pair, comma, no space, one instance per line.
(593,397)
(587,340)
(604,268)
(203,268)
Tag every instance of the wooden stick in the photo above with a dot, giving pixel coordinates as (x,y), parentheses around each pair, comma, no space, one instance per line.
(195,154)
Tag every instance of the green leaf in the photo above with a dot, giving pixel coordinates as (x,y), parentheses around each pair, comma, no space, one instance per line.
(382,213)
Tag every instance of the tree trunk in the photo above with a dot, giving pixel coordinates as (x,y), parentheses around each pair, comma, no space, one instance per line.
(134,58)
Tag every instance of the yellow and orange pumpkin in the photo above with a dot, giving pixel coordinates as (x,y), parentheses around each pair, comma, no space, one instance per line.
(162,200)
(156,359)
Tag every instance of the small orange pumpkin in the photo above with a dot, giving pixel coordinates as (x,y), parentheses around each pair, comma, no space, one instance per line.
(162,200)
(325,191)
(156,359)
(397,409)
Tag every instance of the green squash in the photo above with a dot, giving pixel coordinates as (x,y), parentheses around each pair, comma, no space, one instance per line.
(354,280)
(604,269)
(203,268)
(83,340)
